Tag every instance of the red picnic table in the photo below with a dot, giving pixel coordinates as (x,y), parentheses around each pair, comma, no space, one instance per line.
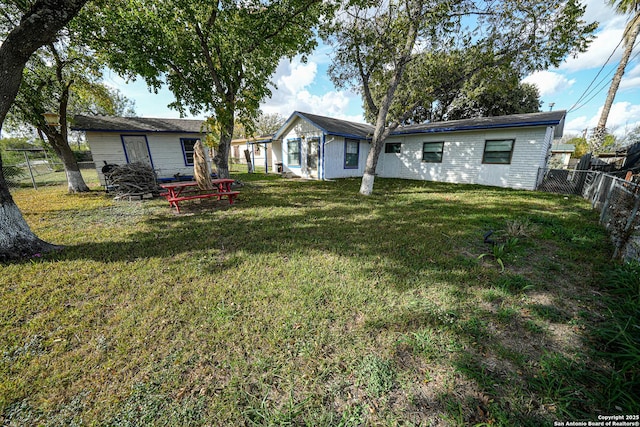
(174,194)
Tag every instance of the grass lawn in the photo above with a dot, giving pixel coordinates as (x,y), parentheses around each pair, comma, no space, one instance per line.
(307,304)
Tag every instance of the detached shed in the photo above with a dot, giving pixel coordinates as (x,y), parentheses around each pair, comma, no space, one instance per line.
(164,144)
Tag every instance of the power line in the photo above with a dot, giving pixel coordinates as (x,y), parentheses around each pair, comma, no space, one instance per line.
(587,91)
(604,80)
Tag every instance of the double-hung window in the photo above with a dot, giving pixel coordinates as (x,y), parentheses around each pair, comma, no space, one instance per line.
(498,151)
(187,150)
(351,153)
(432,152)
(293,152)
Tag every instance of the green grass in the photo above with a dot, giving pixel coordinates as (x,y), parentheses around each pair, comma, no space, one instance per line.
(307,304)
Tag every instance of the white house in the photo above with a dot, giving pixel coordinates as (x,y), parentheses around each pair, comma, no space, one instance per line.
(505,151)
(318,147)
(164,144)
(259,150)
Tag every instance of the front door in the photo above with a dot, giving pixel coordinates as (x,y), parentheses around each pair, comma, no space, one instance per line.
(136,149)
(312,156)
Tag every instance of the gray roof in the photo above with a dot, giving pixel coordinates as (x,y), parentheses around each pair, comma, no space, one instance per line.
(549,118)
(348,129)
(337,127)
(135,124)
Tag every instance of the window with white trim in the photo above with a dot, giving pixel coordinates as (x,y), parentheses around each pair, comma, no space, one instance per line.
(293,152)
(351,153)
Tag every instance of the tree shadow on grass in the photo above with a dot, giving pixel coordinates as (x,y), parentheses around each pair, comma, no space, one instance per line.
(413,236)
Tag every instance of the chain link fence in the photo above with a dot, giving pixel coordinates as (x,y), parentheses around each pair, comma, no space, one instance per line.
(34,168)
(615,195)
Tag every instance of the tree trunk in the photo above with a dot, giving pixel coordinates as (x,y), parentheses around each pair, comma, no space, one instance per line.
(37,27)
(221,158)
(599,132)
(75,181)
(379,136)
(382,131)
(16,238)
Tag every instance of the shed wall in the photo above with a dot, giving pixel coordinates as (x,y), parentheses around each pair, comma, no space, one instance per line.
(165,150)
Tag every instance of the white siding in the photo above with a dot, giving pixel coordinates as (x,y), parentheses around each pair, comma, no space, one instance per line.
(462,158)
(334,158)
(300,128)
(165,150)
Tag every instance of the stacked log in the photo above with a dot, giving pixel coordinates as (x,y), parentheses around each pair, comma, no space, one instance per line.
(132,180)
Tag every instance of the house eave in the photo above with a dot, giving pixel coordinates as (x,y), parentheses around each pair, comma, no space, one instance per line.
(135,130)
(475,127)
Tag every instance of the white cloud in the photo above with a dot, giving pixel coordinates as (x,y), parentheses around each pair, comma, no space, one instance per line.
(299,87)
(631,78)
(299,76)
(549,82)
(623,117)
(609,33)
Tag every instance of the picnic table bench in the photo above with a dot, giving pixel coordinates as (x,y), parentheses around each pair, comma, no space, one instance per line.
(188,190)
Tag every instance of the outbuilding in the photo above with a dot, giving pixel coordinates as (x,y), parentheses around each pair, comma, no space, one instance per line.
(164,144)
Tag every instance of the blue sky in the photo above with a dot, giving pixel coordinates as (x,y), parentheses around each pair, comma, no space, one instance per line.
(306,86)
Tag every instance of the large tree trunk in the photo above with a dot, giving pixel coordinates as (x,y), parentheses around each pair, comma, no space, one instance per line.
(37,27)
(221,159)
(75,181)
(599,132)
(16,238)
(382,131)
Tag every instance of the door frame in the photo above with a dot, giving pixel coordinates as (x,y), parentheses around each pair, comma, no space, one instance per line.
(124,147)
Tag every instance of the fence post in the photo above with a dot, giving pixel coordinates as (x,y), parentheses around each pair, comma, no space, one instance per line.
(33,180)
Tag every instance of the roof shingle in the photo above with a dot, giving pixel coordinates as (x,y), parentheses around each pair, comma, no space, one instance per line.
(136,124)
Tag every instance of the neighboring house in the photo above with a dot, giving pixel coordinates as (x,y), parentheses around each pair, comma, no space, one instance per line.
(259,149)
(505,151)
(560,155)
(164,144)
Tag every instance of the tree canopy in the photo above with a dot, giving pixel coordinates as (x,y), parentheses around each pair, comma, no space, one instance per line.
(216,57)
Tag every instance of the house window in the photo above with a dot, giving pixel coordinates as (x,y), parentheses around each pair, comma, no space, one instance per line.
(351,153)
(393,147)
(293,152)
(498,151)
(432,152)
(187,150)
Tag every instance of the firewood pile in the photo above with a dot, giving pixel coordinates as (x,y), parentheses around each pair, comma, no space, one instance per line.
(132,180)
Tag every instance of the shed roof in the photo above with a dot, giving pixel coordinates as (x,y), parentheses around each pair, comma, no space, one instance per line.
(136,124)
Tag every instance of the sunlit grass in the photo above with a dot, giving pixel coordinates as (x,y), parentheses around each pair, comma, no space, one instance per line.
(302,303)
